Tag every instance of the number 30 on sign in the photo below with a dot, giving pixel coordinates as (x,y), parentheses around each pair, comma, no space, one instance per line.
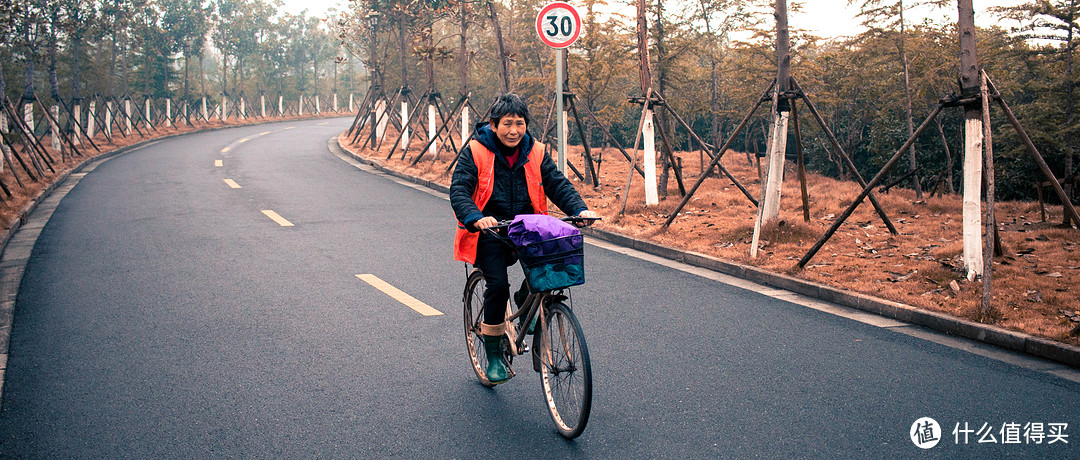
(558,24)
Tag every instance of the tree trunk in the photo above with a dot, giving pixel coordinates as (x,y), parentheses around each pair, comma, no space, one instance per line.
(28,72)
(146,73)
(647,130)
(224,74)
(185,51)
(1069,109)
(463,70)
(401,47)
(907,96)
(773,176)
(110,85)
(76,75)
(504,65)
(124,67)
(661,86)
(644,72)
(973,161)
(463,51)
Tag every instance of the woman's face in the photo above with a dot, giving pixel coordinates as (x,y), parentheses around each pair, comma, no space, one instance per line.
(510,129)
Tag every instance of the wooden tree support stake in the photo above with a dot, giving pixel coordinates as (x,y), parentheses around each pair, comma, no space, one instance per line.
(408,124)
(840,150)
(613,141)
(1069,209)
(801,162)
(719,155)
(591,172)
(991,221)
(866,189)
(54,122)
(446,125)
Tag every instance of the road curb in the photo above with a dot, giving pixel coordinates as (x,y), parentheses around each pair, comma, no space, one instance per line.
(993,335)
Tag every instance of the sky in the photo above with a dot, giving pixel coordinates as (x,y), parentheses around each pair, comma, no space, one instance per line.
(826,18)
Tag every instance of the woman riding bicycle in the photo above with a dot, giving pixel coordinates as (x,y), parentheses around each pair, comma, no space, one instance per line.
(503,172)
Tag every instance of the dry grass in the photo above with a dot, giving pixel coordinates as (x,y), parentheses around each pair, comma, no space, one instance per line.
(1032,281)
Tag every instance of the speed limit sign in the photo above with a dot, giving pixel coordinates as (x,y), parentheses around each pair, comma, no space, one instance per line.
(558,24)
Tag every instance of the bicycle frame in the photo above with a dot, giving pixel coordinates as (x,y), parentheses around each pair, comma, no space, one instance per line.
(532,307)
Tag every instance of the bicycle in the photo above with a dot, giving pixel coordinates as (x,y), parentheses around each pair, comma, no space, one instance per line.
(559,352)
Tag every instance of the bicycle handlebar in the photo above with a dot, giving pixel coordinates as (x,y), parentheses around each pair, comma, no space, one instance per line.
(503,224)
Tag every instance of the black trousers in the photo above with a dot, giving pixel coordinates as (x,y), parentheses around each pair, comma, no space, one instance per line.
(492,258)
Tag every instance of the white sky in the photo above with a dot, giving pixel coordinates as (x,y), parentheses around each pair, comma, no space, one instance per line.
(828,18)
(831,18)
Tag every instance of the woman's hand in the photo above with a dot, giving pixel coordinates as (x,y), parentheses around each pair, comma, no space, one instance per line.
(485,222)
(588,214)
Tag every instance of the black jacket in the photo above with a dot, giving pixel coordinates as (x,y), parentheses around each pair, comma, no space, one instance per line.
(510,196)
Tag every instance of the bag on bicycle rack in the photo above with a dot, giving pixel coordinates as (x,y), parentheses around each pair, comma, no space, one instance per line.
(551,251)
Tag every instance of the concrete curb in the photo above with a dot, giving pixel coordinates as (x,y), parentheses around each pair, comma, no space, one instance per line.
(993,335)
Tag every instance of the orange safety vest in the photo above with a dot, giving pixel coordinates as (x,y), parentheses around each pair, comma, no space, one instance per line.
(464,240)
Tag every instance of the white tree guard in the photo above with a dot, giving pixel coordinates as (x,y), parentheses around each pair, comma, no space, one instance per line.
(404,125)
(648,134)
(434,147)
(466,127)
(380,115)
(972,208)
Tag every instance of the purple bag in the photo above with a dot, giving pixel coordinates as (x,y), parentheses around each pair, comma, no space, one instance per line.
(551,251)
(528,229)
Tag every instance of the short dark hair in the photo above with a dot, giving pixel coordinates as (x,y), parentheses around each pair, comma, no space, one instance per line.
(509,104)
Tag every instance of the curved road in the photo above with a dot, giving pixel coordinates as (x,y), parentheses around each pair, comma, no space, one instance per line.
(164,312)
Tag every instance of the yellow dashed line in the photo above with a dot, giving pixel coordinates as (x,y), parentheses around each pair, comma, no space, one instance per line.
(288,128)
(399,296)
(219,163)
(276,218)
(226,149)
(243,140)
(232,183)
(264,133)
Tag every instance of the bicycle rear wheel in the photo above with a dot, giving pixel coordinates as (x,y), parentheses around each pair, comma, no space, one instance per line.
(565,371)
(474,313)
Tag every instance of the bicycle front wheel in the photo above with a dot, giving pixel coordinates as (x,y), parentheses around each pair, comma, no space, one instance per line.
(565,371)
(474,314)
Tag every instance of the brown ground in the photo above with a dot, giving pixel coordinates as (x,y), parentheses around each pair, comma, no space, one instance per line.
(1032,284)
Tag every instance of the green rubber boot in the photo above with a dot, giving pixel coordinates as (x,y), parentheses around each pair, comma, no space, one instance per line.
(498,371)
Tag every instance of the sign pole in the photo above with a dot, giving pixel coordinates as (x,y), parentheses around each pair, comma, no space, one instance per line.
(559,25)
(560,130)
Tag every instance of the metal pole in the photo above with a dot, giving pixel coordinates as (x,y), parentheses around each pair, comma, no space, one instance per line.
(560,128)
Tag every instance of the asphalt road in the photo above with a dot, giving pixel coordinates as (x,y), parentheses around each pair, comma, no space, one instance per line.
(164,313)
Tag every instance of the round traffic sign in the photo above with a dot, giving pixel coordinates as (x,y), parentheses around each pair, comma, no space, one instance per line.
(558,24)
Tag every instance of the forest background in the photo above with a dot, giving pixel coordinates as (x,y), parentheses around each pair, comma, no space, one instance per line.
(709,58)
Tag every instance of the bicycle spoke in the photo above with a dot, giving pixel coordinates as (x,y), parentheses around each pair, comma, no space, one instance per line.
(473,309)
(565,372)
